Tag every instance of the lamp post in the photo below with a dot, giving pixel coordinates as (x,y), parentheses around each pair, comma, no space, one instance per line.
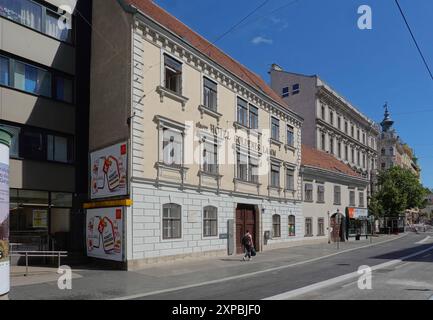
(329,228)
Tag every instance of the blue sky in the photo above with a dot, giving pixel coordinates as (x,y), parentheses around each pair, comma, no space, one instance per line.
(368,67)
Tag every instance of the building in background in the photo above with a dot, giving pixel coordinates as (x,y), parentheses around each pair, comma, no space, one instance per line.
(392,150)
(331,124)
(212,151)
(44,93)
(334,197)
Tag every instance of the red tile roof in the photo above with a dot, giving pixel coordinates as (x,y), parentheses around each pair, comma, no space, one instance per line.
(197,41)
(319,159)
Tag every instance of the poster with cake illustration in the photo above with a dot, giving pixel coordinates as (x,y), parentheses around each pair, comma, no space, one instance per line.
(104,233)
(109,172)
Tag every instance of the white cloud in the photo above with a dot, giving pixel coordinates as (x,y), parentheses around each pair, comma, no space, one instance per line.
(259,40)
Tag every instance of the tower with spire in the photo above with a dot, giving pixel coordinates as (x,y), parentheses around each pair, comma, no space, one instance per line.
(387,121)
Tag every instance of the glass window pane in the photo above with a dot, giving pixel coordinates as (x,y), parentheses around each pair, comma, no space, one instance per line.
(59,199)
(4,71)
(22,11)
(52,27)
(64,89)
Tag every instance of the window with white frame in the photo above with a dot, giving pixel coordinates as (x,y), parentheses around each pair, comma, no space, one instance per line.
(308,192)
(242,165)
(285,92)
(308,227)
(290,179)
(276,226)
(253,169)
(320,193)
(242,112)
(210,156)
(337,195)
(275,129)
(331,145)
(172,74)
(172,147)
(210,94)
(361,199)
(296,88)
(320,226)
(254,117)
(171,221)
(290,136)
(210,221)
(352,198)
(275,175)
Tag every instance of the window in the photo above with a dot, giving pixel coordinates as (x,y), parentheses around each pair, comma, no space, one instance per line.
(352,198)
(276,226)
(32,145)
(242,112)
(290,136)
(361,199)
(321,194)
(339,123)
(358,158)
(323,113)
(331,117)
(308,227)
(358,135)
(57,148)
(172,74)
(32,79)
(339,149)
(254,117)
(210,221)
(285,92)
(321,227)
(290,179)
(363,161)
(331,145)
(296,88)
(210,94)
(345,127)
(363,138)
(352,131)
(275,175)
(308,192)
(391,151)
(353,155)
(292,226)
(172,145)
(37,17)
(275,129)
(4,71)
(171,221)
(254,169)
(35,80)
(52,27)
(346,153)
(210,156)
(337,195)
(383,165)
(14,148)
(323,142)
(242,166)
(24,12)
(383,151)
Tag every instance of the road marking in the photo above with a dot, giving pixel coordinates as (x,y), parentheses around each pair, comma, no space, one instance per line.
(410,283)
(142,295)
(424,240)
(349,284)
(320,285)
(402,265)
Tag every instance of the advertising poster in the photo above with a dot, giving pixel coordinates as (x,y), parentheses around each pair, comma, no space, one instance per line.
(109,172)
(4,219)
(40,219)
(104,233)
(358,213)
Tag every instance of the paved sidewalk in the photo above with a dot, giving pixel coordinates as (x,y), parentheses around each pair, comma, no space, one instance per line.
(91,283)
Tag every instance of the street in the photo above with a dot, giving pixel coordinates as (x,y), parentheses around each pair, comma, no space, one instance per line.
(402,269)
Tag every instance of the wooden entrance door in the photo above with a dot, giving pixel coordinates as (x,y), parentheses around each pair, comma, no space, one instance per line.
(245,220)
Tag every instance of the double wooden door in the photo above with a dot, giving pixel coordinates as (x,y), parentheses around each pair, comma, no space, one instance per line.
(245,220)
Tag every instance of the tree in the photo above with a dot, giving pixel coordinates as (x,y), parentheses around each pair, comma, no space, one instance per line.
(398,189)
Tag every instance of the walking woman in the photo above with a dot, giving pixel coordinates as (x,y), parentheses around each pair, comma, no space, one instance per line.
(247,242)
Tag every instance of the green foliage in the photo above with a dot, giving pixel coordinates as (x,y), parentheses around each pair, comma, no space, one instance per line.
(399,189)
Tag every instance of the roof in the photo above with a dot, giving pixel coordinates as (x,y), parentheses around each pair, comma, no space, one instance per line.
(149,8)
(322,160)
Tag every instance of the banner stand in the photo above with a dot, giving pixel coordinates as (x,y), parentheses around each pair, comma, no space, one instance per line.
(5,142)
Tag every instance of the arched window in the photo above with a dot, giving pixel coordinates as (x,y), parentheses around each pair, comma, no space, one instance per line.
(210,221)
(292,226)
(171,221)
(276,226)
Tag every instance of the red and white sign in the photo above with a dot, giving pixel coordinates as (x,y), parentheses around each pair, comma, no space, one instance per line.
(104,233)
(109,172)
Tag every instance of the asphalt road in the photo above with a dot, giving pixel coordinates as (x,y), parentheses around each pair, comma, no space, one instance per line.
(271,274)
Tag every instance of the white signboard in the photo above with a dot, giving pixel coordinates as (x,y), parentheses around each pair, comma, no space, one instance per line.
(104,233)
(109,169)
(4,220)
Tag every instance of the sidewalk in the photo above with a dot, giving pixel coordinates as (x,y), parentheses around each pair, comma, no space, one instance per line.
(91,283)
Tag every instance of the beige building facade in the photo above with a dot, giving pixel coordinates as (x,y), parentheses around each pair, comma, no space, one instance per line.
(212,151)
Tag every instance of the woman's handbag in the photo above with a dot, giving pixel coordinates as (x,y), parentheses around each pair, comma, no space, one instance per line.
(253,252)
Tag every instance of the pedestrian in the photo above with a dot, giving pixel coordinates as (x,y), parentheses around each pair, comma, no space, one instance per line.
(247,242)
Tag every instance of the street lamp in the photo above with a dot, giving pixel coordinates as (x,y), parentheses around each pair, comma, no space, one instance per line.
(329,228)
